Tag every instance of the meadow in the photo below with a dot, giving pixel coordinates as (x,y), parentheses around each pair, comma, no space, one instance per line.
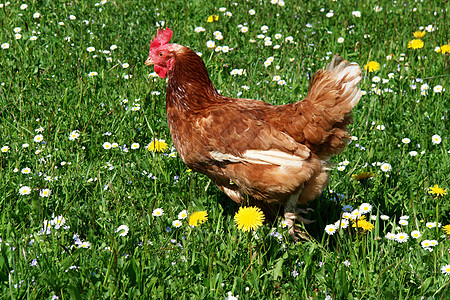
(96,203)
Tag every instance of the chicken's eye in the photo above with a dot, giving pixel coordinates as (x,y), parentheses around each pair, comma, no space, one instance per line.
(160,54)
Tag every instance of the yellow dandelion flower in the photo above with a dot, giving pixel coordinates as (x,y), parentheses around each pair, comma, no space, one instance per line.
(197,218)
(362,176)
(446,229)
(362,223)
(372,66)
(416,44)
(212,18)
(419,34)
(444,49)
(249,218)
(157,146)
(438,191)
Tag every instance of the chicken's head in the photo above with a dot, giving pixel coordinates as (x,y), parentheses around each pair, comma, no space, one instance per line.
(161,52)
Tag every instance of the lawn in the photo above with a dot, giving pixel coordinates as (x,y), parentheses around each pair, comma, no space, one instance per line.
(96,203)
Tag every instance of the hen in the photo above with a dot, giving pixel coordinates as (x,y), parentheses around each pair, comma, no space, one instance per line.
(258,154)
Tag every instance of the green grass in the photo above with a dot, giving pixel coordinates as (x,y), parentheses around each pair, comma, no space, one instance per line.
(45,84)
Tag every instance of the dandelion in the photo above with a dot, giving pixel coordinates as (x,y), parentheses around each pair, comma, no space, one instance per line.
(445,269)
(212,18)
(38,138)
(415,234)
(25,190)
(438,191)
(372,66)
(198,217)
(446,229)
(419,34)
(249,218)
(362,223)
(123,230)
(157,146)
(443,49)
(415,44)
(330,229)
(385,167)
(158,212)
(176,223)
(436,139)
(183,214)
(45,192)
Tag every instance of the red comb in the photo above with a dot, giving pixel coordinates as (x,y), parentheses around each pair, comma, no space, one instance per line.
(163,36)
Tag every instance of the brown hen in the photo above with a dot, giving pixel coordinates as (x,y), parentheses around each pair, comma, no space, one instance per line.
(258,154)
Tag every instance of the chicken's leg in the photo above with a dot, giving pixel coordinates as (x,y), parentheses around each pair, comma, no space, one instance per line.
(292,214)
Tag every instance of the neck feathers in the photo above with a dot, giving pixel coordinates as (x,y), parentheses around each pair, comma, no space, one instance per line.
(189,85)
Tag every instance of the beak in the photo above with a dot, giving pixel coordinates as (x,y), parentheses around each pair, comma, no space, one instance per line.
(149,62)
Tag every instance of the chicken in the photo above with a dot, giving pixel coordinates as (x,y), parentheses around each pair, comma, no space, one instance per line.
(270,156)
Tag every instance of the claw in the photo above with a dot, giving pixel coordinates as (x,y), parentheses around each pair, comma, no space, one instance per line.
(294,231)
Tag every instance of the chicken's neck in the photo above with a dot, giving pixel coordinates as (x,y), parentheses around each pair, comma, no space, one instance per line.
(189,86)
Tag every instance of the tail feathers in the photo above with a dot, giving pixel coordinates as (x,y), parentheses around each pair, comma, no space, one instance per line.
(326,109)
(340,81)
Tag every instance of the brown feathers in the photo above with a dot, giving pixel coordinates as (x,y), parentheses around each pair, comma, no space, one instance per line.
(271,156)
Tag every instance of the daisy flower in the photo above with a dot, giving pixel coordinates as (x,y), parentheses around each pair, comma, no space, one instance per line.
(385,167)
(134,146)
(390,236)
(365,208)
(5,149)
(25,190)
(249,218)
(330,229)
(158,212)
(416,234)
(123,230)
(38,138)
(107,145)
(183,214)
(176,223)
(445,270)
(436,139)
(45,192)
(74,135)
(401,237)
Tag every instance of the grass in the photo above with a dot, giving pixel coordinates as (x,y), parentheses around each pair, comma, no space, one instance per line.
(46,90)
